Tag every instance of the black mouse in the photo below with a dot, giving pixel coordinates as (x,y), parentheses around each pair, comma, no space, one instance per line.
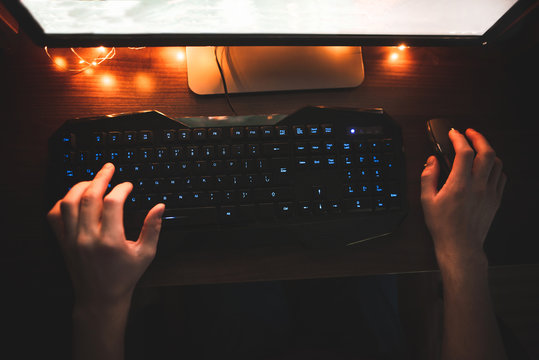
(438,134)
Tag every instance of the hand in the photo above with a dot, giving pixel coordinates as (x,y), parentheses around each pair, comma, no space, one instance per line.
(460,214)
(103,265)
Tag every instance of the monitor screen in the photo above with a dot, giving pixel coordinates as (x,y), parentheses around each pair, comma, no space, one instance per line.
(279,20)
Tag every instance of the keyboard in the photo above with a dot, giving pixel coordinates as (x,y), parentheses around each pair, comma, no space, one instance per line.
(318,176)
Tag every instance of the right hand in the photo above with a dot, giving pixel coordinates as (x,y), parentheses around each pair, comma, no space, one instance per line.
(459,215)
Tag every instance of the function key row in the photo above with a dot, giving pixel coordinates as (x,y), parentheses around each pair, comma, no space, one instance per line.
(141,137)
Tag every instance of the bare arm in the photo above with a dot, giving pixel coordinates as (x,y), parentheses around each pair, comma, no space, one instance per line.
(103,265)
(458,217)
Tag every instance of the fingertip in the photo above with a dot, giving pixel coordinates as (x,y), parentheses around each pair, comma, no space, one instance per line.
(159,210)
(429,178)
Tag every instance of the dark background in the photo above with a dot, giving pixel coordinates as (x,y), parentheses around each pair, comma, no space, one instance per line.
(491,88)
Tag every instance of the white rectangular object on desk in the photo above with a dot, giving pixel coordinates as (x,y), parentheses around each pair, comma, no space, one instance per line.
(273,68)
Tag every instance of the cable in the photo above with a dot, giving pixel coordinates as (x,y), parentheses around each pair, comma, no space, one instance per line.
(227,97)
(83,63)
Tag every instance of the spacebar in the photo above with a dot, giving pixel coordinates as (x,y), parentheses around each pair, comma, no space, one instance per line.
(190,216)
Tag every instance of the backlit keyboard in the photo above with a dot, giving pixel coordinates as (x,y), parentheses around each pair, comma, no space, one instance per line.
(318,175)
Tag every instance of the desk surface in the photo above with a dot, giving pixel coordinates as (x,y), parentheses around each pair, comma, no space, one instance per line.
(482,87)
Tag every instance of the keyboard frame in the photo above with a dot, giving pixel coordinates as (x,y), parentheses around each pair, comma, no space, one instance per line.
(322,230)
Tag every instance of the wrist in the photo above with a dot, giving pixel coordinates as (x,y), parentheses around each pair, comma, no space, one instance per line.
(97,309)
(99,329)
(464,267)
(462,261)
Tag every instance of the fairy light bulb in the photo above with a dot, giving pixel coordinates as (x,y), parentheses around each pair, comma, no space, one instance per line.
(60,61)
(180,55)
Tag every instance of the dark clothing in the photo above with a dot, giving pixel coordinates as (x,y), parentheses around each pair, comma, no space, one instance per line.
(349,318)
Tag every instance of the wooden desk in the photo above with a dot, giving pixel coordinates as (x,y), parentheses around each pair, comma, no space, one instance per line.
(484,87)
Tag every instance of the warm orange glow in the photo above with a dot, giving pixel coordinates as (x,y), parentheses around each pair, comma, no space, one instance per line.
(60,61)
(394,56)
(180,55)
(101,49)
(143,82)
(107,80)
(402,47)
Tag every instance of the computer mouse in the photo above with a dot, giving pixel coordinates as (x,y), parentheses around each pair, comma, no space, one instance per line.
(438,134)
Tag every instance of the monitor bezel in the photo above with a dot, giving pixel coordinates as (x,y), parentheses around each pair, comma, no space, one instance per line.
(30,26)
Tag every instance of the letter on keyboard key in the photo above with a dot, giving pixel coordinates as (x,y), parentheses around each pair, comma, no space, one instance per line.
(273,194)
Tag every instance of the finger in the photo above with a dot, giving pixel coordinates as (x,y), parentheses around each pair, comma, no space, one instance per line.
(501,185)
(429,179)
(149,235)
(484,159)
(92,199)
(70,208)
(113,209)
(495,173)
(54,218)
(464,155)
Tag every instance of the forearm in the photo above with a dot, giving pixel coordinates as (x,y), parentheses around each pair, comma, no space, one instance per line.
(99,330)
(470,327)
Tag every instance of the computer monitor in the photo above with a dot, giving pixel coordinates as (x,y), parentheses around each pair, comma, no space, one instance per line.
(298,32)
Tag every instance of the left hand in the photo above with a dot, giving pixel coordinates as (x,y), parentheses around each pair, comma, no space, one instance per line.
(103,265)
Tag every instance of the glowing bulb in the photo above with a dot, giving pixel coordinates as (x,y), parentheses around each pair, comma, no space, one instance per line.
(94,63)
(402,47)
(60,61)
(394,56)
(180,55)
(101,49)
(107,80)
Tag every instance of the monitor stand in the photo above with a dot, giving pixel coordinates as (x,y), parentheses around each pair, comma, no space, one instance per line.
(273,68)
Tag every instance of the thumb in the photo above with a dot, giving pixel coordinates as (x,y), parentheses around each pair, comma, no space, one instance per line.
(149,235)
(429,178)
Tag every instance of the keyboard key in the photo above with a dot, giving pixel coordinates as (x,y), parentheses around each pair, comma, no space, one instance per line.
(114,138)
(327,129)
(299,130)
(199,134)
(190,216)
(281,131)
(145,137)
(215,133)
(358,204)
(229,214)
(267,131)
(313,130)
(272,194)
(236,132)
(285,209)
(252,131)
(184,135)
(275,149)
(305,208)
(266,211)
(247,212)
(130,138)
(169,136)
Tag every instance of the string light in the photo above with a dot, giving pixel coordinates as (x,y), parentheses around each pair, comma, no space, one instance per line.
(395,55)
(84,64)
